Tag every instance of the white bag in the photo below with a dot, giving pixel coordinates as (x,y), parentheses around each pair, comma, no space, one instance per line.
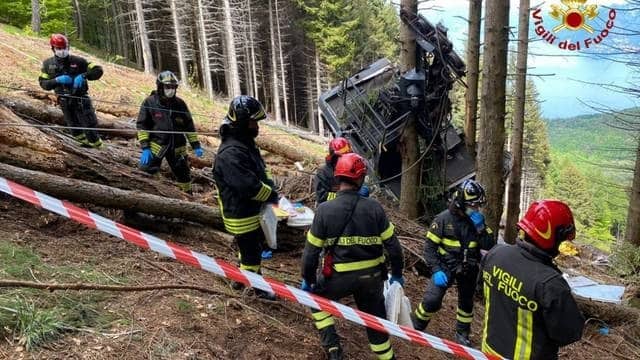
(269,225)
(397,304)
(299,216)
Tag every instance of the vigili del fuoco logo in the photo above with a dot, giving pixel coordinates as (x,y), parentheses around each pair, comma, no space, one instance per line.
(571,25)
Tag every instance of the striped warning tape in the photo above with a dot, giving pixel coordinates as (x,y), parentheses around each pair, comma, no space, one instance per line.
(224,269)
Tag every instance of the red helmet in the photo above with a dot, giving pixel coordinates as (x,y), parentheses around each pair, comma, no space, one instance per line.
(548,223)
(59,41)
(351,166)
(338,146)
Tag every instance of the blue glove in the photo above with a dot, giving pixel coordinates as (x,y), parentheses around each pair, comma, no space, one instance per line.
(64,80)
(478,220)
(364,191)
(199,152)
(79,82)
(266,254)
(146,156)
(440,279)
(306,287)
(398,279)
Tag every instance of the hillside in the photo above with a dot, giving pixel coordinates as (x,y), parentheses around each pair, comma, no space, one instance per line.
(214,322)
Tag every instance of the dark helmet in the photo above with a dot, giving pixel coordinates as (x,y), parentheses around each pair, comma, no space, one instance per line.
(243,109)
(470,193)
(166,79)
(58,41)
(547,223)
(351,166)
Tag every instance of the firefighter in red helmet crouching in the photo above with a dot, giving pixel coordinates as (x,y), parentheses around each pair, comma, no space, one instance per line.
(353,231)
(529,309)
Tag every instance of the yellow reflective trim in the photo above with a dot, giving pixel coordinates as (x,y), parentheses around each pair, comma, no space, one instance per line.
(358,265)
(238,226)
(422,314)
(268,174)
(325,323)
(381,347)
(524,335)
(464,313)
(387,233)
(331,195)
(320,315)
(442,251)
(155,148)
(489,231)
(192,137)
(45,76)
(143,135)
(359,240)
(313,240)
(91,66)
(487,306)
(433,237)
(182,150)
(450,242)
(464,319)
(489,350)
(386,356)
(252,268)
(473,245)
(263,193)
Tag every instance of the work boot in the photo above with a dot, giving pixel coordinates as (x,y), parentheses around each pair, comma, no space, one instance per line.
(462,338)
(334,353)
(419,324)
(235,285)
(266,295)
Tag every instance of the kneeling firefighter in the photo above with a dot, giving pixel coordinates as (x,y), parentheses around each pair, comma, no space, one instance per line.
(452,251)
(244,184)
(353,231)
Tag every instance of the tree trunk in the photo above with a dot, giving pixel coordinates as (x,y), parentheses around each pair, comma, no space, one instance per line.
(318,92)
(282,72)
(409,182)
(252,46)
(147,58)
(76,6)
(35,16)
(182,64)
(274,68)
(122,29)
(473,67)
(204,51)
(232,57)
(311,118)
(517,131)
(632,234)
(107,196)
(491,146)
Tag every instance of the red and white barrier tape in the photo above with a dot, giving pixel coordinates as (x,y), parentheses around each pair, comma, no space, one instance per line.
(224,269)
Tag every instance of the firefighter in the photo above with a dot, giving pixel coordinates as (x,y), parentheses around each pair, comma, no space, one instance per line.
(244,184)
(67,75)
(353,264)
(452,251)
(324,182)
(529,310)
(161,111)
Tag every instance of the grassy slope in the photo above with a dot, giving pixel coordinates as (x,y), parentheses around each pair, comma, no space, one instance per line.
(21,58)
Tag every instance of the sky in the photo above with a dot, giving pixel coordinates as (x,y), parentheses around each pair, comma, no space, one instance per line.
(568,91)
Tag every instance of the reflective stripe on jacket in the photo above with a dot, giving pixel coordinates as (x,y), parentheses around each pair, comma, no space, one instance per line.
(529,309)
(361,244)
(71,65)
(243,184)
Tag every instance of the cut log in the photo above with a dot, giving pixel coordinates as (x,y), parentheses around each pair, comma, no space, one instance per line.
(107,196)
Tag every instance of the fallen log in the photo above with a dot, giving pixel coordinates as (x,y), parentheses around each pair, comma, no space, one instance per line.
(107,196)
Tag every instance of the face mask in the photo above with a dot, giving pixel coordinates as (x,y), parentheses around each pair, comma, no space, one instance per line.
(169,93)
(61,53)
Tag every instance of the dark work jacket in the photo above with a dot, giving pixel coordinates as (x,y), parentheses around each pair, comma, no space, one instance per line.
(448,237)
(530,310)
(325,183)
(360,246)
(164,114)
(71,65)
(244,184)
